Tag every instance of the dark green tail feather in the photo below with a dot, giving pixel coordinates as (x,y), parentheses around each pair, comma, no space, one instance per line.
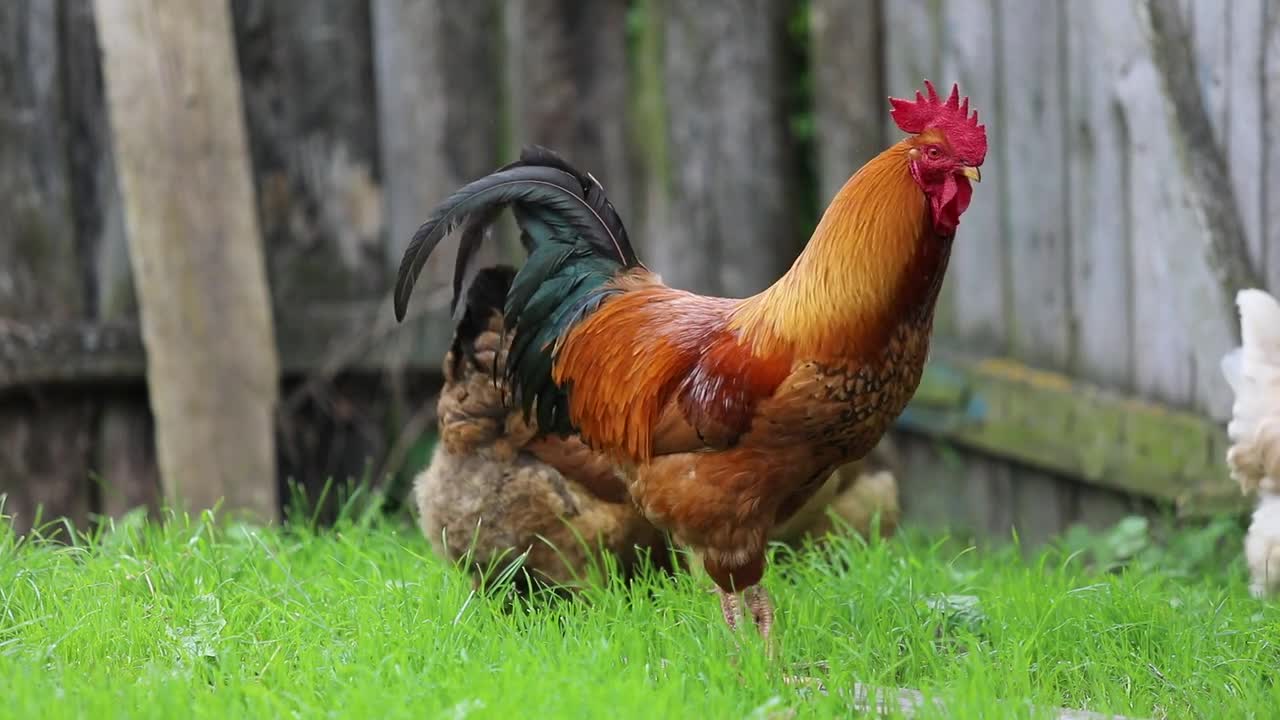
(576,244)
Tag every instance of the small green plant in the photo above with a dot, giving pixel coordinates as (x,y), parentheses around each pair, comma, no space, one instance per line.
(1187,552)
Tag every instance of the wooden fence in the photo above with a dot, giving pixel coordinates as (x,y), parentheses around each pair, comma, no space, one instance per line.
(1126,195)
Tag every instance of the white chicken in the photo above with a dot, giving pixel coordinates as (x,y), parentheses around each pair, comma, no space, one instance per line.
(1253,372)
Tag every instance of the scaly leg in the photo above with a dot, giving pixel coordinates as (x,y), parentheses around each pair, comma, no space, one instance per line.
(731,608)
(761,609)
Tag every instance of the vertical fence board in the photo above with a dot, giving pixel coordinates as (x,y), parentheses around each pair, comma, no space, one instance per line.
(1162,360)
(730,228)
(567,65)
(1201,212)
(1211,40)
(1227,42)
(913,32)
(312,121)
(44,436)
(440,114)
(849,100)
(1271,143)
(1043,506)
(439,107)
(124,458)
(1033,142)
(949,42)
(309,107)
(1245,124)
(978,283)
(1098,182)
(1098,508)
(925,482)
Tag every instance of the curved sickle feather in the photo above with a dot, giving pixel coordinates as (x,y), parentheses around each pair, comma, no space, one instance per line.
(499,189)
(550,187)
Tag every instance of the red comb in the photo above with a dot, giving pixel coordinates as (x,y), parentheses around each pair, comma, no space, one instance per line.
(968,139)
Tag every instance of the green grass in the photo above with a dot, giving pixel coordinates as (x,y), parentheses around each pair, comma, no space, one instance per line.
(186,619)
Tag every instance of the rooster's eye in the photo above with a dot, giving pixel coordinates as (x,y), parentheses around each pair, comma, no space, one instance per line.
(934,153)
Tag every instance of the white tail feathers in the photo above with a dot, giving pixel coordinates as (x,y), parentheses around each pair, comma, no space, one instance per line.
(1260,324)
(1253,372)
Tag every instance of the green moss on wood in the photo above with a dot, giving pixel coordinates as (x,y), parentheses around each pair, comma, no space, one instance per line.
(649,129)
(1050,421)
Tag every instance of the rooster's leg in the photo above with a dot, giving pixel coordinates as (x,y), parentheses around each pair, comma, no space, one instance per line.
(730,607)
(761,609)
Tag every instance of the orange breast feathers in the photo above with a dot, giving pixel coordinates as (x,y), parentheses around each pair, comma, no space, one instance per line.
(656,371)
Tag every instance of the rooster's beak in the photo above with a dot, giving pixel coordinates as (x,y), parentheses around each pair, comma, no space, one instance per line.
(972,173)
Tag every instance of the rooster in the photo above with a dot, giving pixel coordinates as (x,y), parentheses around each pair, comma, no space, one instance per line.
(1253,372)
(492,493)
(725,415)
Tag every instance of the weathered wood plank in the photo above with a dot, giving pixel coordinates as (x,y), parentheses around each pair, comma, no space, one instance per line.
(946,487)
(307,70)
(1227,42)
(648,137)
(569,87)
(439,110)
(1039,226)
(1210,39)
(978,285)
(926,489)
(1043,506)
(1208,280)
(1099,508)
(848,97)
(1270,272)
(960,41)
(913,42)
(43,436)
(44,459)
(1048,421)
(1098,185)
(125,465)
(1163,368)
(313,128)
(1245,123)
(441,115)
(123,454)
(726,119)
(173,95)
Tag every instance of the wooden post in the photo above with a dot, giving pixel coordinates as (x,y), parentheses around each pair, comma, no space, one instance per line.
(173,95)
